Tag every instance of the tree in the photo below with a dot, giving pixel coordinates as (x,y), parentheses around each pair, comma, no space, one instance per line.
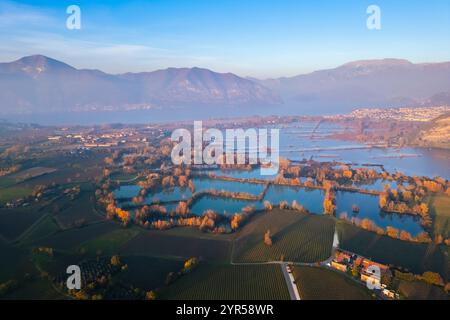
(190,264)
(115,261)
(392,232)
(150,295)
(267,205)
(432,278)
(355,270)
(267,238)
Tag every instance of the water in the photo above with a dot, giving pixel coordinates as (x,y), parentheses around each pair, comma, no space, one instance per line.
(298,142)
(241,174)
(369,208)
(225,206)
(202,184)
(311,199)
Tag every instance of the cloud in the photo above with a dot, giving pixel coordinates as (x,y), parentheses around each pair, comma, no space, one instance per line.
(14,14)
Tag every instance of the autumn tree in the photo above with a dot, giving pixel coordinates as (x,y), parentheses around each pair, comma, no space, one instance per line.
(392,232)
(268,238)
(115,261)
(150,295)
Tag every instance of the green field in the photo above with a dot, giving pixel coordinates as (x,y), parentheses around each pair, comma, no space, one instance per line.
(322,284)
(415,257)
(159,244)
(109,243)
(14,192)
(295,236)
(263,282)
(440,212)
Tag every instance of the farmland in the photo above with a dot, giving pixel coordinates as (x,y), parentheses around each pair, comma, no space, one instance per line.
(109,243)
(13,222)
(81,210)
(13,192)
(264,282)
(149,273)
(439,206)
(414,257)
(157,243)
(71,239)
(295,236)
(321,284)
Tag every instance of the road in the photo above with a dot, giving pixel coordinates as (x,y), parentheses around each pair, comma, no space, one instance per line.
(290,282)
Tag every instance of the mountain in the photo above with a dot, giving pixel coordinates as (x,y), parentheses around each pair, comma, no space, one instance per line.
(367,83)
(38,84)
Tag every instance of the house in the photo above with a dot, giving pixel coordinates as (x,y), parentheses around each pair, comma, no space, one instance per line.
(373,279)
(390,293)
(339,266)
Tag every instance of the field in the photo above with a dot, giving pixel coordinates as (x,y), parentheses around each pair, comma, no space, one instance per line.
(295,237)
(109,243)
(415,257)
(14,263)
(148,273)
(31,173)
(13,222)
(12,193)
(80,209)
(263,282)
(158,244)
(43,229)
(321,284)
(71,239)
(440,211)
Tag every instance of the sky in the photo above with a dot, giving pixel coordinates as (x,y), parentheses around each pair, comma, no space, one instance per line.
(255,38)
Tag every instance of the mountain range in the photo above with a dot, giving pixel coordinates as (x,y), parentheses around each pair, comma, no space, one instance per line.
(38,84)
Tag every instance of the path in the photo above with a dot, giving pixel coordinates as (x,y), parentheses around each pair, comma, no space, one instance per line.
(290,282)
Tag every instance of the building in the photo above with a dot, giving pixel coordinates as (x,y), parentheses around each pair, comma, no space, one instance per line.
(339,266)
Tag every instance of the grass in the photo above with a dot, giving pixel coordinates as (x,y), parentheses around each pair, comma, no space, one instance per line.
(295,237)
(415,257)
(14,192)
(322,284)
(159,244)
(212,282)
(440,211)
(109,243)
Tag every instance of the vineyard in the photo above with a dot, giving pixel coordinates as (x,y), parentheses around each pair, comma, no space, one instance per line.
(314,283)
(295,237)
(415,257)
(263,282)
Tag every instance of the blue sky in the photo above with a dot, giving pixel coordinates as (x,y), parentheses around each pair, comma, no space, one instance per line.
(249,37)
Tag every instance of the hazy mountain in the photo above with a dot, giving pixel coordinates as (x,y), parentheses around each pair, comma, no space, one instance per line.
(368,83)
(38,84)
(41,84)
